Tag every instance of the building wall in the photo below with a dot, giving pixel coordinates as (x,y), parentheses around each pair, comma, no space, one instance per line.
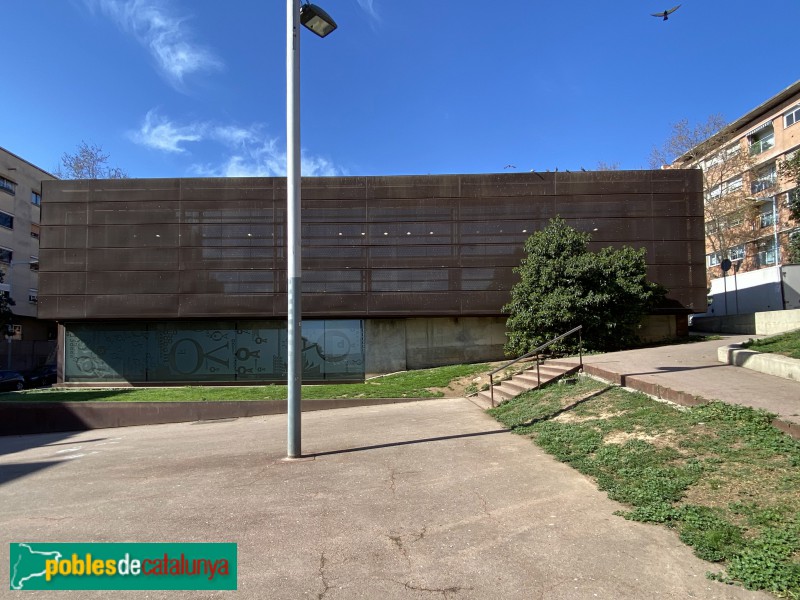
(373,247)
(757,237)
(19,274)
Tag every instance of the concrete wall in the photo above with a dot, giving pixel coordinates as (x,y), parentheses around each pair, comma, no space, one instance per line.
(762,323)
(393,345)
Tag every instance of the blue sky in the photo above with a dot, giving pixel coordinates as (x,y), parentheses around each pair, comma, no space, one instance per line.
(176,88)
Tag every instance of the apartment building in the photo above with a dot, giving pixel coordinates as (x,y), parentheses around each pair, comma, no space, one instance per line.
(20,208)
(748,216)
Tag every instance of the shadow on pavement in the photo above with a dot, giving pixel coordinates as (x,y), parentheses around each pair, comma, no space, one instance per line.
(443,438)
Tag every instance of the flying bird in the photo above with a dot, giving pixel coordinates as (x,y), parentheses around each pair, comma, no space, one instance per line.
(510,167)
(666,13)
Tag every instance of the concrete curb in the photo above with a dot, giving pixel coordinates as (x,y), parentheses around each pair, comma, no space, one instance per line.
(18,418)
(678,397)
(770,364)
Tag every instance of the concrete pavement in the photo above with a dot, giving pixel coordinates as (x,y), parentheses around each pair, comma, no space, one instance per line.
(416,501)
(690,373)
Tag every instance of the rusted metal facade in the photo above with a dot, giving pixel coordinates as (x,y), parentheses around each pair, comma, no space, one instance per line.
(184,280)
(373,247)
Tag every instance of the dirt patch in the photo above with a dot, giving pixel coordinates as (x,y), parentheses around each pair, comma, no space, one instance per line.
(570,417)
(660,440)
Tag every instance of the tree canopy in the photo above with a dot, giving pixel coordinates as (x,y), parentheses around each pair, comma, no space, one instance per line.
(562,285)
(88,162)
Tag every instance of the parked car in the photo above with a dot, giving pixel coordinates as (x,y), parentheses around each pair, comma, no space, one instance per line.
(40,377)
(11,380)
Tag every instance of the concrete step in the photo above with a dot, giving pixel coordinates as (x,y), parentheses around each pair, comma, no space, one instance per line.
(525,381)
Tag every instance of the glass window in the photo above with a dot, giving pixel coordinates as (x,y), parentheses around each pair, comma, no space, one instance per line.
(33,296)
(713,259)
(792,117)
(34,263)
(762,140)
(6,255)
(766,253)
(6,220)
(35,231)
(8,186)
(766,215)
(36,198)
(737,252)
(763,180)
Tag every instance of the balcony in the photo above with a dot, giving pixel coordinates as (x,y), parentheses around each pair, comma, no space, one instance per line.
(762,145)
(763,183)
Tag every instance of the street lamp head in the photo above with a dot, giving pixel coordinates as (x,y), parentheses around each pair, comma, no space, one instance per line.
(317,20)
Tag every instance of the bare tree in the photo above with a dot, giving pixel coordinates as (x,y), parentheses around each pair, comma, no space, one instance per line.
(727,180)
(88,162)
(790,169)
(604,166)
(685,137)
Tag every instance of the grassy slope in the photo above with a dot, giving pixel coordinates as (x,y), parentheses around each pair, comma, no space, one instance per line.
(409,384)
(721,475)
(787,344)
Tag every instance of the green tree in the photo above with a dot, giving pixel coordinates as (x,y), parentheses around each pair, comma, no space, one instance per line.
(790,168)
(562,285)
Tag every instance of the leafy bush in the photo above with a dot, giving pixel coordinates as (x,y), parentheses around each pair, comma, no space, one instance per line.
(562,285)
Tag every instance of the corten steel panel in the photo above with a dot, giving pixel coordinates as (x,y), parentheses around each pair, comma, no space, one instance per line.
(227,281)
(142,211)
(64,283)
(56,261)
(222,305)
(131,306)
(132,259)
(372,246)
(117,282)
(246,257)
(67,213)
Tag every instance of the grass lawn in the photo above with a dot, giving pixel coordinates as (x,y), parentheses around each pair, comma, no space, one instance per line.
(426,383)
(787,344)
(720,475)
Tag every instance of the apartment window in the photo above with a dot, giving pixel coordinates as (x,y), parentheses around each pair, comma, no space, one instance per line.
(736,253)
(766,253)
(35,231)
(763,179)
(761,140)
(6,255)
(34,263)
(33,296)
(8,186)
(732,185)
(6,220)
(793,199)
(734,219)
(766,216)
(792,117)
(36,198)
(713,259)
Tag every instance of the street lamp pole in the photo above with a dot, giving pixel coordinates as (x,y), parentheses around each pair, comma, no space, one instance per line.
(318,21)
(293,241)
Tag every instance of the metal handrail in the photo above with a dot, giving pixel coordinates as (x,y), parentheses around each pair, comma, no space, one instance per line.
(537,351)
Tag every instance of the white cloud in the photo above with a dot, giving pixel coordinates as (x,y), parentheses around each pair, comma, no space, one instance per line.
(245,151)
(161,134)
(369,8)
(165,35)
(266,160)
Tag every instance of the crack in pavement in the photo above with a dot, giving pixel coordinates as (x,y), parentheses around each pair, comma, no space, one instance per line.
(393,479)
(401,546)
(325,585)
(445,592)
